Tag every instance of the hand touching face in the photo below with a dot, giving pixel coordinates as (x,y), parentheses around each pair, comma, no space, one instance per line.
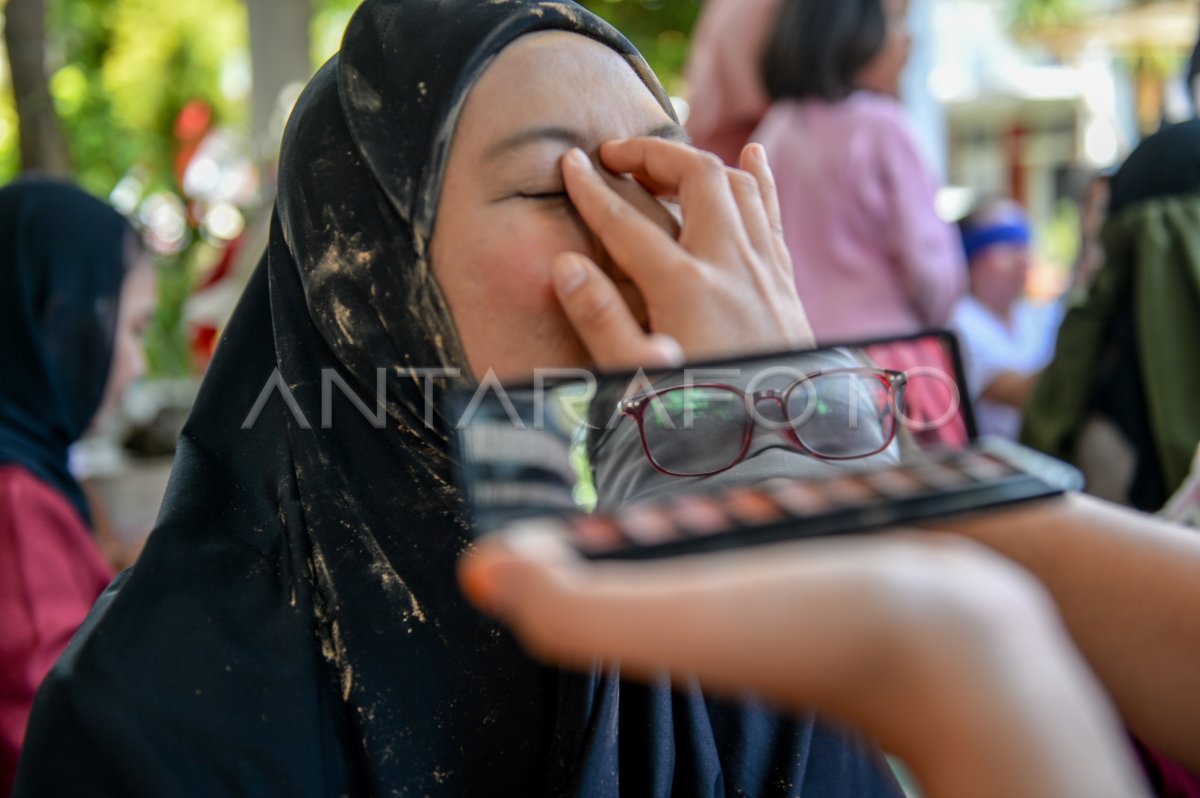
(504,214)
(554,245)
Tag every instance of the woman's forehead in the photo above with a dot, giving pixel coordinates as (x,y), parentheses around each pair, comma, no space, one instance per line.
(560,81)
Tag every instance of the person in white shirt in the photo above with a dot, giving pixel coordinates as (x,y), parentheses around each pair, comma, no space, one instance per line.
(1006,338)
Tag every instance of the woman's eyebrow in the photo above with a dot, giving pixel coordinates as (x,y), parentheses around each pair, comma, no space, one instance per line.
(573,138)
(671,131)
(534,135)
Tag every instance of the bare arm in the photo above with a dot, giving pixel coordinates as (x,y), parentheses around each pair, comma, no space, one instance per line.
(950,657)
(1128,588)
(1010,388)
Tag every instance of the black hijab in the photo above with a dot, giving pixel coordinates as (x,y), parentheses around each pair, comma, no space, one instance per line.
(62,263)
(294,626)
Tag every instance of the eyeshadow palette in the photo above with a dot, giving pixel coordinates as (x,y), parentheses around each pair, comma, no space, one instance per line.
(990,473)
(567,451)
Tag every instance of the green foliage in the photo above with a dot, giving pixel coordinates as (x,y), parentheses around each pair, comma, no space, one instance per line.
(660,29)
(328,24)
(126,69)
(167,352)
(1058,237)
(1043,15)
(121,70)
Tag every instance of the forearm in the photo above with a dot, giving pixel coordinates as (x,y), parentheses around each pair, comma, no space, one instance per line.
(1128,588)
(951,658)
(1013,710)
(1010,388)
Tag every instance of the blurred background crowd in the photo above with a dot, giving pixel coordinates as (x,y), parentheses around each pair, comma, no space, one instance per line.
(173,112)
(1006,153)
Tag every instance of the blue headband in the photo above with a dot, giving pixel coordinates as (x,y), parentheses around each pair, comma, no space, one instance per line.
(980,238)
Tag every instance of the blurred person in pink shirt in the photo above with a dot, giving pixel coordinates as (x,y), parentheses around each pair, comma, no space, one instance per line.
(724,75)
(871,256)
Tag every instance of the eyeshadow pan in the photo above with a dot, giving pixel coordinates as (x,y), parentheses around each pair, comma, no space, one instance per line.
(895,483)
(596,533)
(848,490)
(647,525)
(752,506)
(984,467)
(939,477)
(700,515)
(798,498)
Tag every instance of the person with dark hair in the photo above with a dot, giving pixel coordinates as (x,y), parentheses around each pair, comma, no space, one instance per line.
(1118,399)
(75,292)
(871,256)
(1006,339)
(465,189)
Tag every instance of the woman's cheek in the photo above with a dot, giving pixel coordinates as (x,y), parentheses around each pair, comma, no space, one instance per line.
(526,262)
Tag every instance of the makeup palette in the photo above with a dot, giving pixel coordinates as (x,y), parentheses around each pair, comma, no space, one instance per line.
(559,452)
(990,473)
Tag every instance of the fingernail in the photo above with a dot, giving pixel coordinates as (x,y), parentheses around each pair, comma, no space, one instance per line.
(492,577)
(670,349)
(760,152)
(568,274)
(483,587)
(579,158)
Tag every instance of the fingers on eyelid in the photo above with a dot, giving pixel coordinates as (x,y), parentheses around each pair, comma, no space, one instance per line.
(645,201)
(670,167)
(642,248)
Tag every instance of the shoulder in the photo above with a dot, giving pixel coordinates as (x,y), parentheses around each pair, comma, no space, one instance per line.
(26,499)
(884,114)
(882,125)
(783,113)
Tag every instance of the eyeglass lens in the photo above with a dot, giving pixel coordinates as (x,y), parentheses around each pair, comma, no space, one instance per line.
(695,430)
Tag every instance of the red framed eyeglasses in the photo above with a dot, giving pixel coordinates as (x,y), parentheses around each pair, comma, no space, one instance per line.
(701,429)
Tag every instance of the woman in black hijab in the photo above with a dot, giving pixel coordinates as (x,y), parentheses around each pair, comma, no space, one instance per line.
(293,626)
(70,311)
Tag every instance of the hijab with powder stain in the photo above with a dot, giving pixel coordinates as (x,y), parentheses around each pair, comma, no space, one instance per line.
(294,626)
(62,263)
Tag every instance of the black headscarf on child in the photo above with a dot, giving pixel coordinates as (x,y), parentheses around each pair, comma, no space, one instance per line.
(294,625)
(62,263)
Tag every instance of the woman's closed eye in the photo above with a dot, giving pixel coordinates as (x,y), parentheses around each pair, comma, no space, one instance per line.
(544,196)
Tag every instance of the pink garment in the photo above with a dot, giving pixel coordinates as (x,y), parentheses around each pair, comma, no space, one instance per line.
(50,575)
(724,75)
(872,258)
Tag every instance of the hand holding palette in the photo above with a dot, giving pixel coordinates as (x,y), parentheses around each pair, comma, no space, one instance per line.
(759,450)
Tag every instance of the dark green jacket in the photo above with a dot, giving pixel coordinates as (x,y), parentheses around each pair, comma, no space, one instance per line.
(1152,268)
